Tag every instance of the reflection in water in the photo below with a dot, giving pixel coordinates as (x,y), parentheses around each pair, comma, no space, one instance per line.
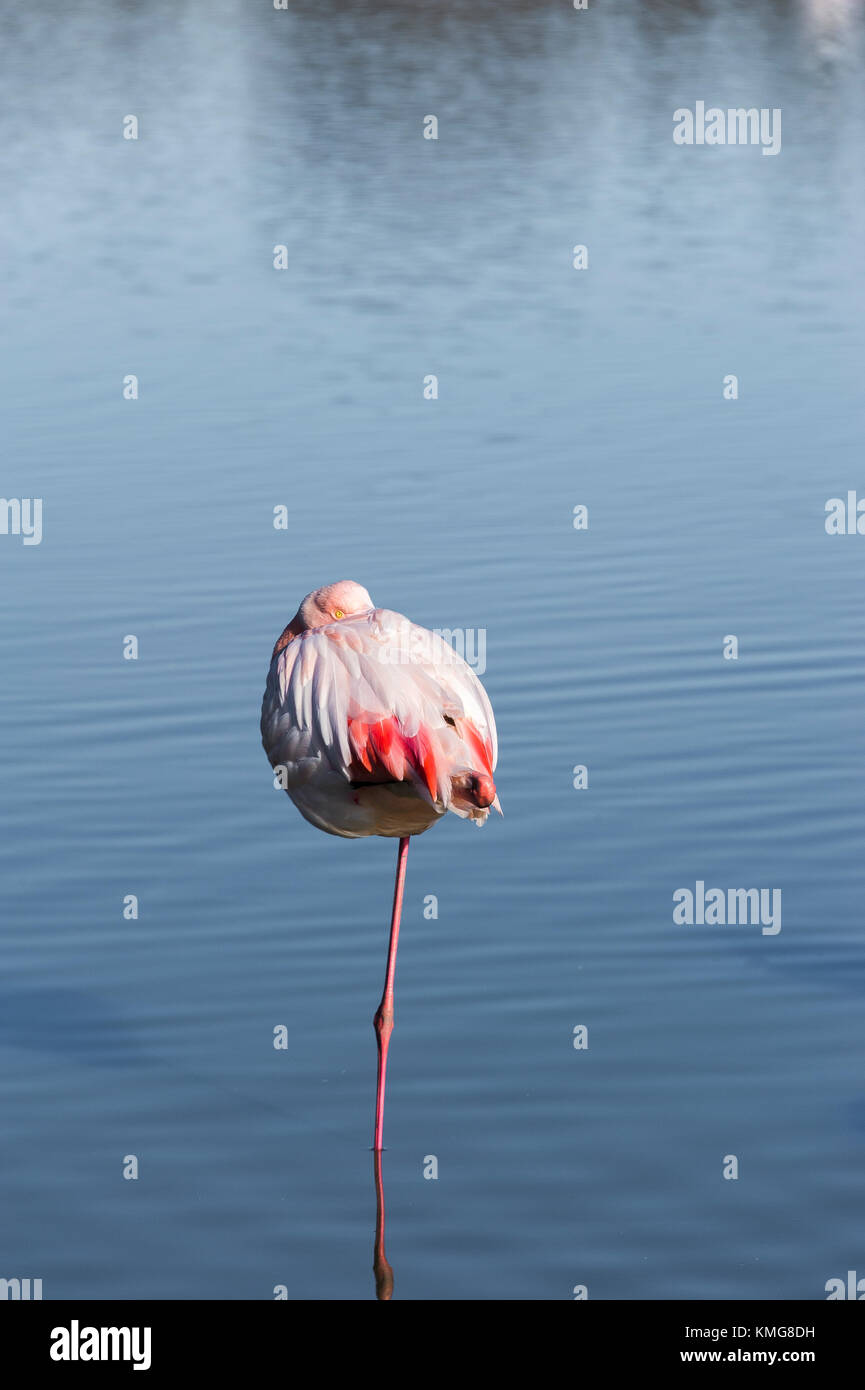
(831,17)
(383,1271)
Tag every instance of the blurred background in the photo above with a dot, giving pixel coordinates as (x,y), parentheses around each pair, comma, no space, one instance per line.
(303,387)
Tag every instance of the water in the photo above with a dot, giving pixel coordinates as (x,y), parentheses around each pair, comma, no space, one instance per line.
(302,387)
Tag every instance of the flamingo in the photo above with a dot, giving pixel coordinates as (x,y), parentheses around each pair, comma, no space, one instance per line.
(376,727)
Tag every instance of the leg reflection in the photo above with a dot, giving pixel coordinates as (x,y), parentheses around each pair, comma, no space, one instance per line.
(381,1268)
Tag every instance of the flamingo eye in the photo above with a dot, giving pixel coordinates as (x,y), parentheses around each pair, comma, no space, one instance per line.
(338,613)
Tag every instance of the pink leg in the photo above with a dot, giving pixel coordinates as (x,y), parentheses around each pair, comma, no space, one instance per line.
(383,1021)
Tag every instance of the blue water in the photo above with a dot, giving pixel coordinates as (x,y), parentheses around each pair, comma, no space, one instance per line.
(153,1037)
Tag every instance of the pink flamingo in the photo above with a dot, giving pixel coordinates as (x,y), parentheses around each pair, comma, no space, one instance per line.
(376,727)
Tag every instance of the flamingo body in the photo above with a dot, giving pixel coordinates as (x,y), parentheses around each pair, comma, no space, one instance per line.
(379,726)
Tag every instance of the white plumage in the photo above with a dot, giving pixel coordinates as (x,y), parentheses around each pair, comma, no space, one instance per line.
(377,726)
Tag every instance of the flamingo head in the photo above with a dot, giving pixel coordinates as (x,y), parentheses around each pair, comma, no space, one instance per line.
(330,604)
(323,606)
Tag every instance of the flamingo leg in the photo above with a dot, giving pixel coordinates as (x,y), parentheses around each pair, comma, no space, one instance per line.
(383,1021)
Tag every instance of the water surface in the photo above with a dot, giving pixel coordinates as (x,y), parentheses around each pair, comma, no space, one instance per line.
(302,387)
